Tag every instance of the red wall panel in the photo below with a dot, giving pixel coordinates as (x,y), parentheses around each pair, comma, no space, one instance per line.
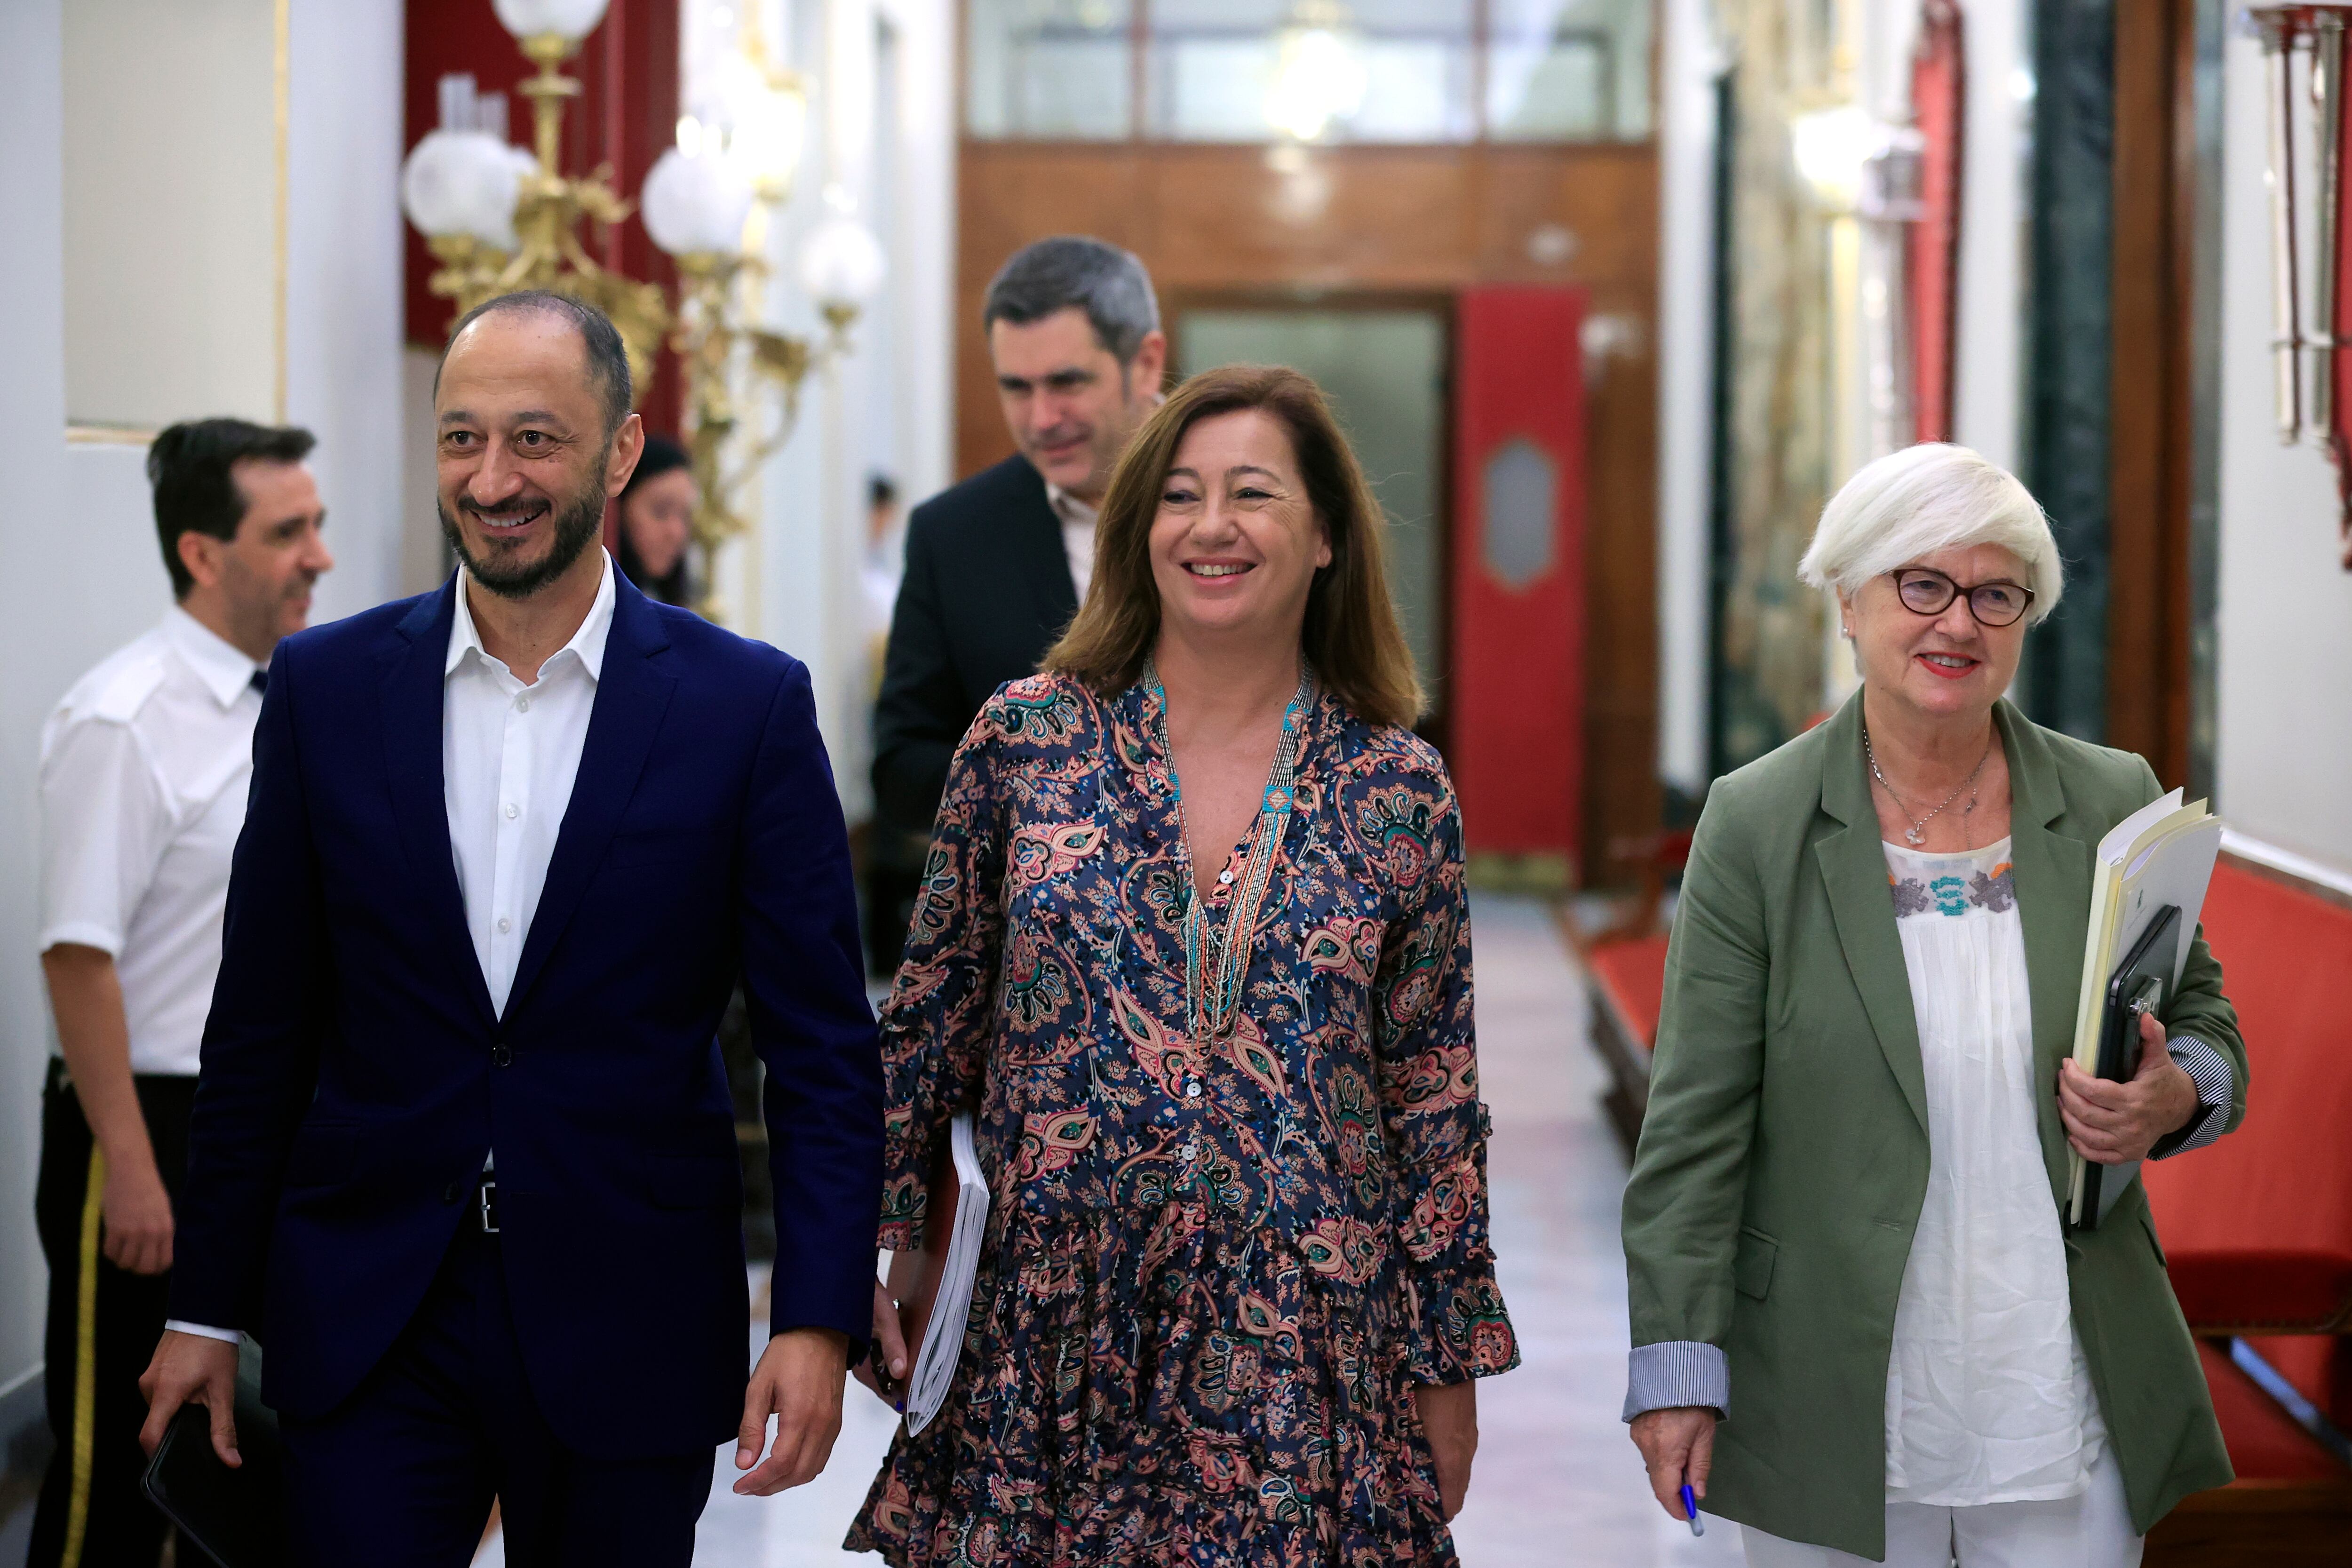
(1939,96)
(1516,688)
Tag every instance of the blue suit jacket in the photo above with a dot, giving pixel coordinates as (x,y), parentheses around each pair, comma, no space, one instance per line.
(354,1074)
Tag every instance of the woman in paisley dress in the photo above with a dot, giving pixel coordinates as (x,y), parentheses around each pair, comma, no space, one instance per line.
(1192,944)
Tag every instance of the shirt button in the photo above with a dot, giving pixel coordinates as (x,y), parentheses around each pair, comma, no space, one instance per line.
(522,704)
(505,925)
(1227,877)
(1191,1150)
(513,811)
(1192,1089)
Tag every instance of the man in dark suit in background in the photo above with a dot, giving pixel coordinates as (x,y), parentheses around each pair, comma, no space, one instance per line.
(996,566)
(462,1154)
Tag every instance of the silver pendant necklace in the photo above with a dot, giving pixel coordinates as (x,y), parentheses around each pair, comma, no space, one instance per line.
(1917,834)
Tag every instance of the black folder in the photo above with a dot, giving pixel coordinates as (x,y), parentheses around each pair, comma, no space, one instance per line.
(235,1517)
(2141,983)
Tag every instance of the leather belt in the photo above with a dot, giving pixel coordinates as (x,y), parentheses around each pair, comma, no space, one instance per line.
(485,1206)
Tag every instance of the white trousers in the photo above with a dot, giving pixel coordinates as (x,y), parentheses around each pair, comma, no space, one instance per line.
(2091,1530)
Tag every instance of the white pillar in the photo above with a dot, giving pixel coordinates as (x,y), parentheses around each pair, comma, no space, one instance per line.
(1691,63)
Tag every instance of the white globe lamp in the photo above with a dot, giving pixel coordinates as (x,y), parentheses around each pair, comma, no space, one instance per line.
(696,205)
(570,20)
(842,266)
(463,182)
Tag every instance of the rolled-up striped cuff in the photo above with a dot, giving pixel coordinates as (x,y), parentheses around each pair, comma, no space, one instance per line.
(2209,1069)
(1676,1372)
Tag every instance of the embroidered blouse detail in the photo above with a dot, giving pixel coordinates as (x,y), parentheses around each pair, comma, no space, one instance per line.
(1944,885)
(1216,1263)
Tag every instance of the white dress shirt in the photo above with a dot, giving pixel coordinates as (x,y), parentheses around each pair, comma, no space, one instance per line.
(1079,521)
(509,753)
(142,784)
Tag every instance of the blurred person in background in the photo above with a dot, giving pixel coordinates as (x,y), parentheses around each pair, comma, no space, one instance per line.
(1195,949)
(885,563)
(144,766)
(1844,1211)
(996,566)
(657,522)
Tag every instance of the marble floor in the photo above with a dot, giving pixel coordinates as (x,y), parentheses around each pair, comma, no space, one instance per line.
(1556,1484)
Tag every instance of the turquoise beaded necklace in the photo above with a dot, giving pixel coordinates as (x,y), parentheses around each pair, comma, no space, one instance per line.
(1217,955)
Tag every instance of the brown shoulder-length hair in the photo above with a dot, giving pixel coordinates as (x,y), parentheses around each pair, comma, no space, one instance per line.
(1351,635)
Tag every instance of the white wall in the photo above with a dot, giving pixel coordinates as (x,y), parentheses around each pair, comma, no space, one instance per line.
(2283,685)
(344,295)
(78,531)
(36,534)
(171,293)
(1986,380)
(425,559)
(886,404)
(922,247)
(1689,63)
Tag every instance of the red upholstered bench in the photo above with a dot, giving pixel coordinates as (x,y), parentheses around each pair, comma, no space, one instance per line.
(1629,986)
(2317,1366)
(1626,963)
(2257,1231)
(2291,1505)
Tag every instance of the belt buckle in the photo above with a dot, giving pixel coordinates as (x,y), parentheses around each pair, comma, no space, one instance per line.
(487,1197)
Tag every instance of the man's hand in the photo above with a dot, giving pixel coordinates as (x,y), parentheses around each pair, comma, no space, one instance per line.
(138,1214)
(192,1369)
(2109,1122)
(888,1381)
(1449,1419)
(1677,1445)
(86,995)
(798,1381)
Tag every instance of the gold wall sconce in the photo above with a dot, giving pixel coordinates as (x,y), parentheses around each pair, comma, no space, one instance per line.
(2309,313)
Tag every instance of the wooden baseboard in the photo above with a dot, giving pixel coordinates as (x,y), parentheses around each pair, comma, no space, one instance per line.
(2256,1524)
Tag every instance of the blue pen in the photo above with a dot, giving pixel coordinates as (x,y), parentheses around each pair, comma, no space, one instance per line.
(1690,1511)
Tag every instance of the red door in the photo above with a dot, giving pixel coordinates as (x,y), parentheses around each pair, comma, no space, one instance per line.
(1517,688)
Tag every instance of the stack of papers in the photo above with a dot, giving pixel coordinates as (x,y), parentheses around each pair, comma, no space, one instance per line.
(955,1257)
(2160,855)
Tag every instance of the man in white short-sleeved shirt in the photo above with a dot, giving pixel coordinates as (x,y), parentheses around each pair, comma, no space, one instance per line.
(144,766)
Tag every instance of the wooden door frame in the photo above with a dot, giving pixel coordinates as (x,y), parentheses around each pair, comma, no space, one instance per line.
(2152,400)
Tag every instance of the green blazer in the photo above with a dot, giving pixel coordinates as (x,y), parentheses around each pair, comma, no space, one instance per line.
(1783,1159)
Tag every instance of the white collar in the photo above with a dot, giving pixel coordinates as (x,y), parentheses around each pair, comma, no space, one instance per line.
(587,644)
(220,664)
(1069,508)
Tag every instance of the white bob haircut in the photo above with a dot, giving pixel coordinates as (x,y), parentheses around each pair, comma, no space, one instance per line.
(1912,503)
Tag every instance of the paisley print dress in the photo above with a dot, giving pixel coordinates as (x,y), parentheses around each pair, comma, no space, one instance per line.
(1213,1270)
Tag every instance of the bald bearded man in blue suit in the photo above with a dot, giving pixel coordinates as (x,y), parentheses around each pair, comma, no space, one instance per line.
(463,1156)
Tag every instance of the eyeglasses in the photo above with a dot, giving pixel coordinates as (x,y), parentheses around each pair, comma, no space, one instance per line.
(1927,592)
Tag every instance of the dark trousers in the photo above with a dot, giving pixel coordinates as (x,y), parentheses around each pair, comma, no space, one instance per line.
(402,1473)
(103,1325)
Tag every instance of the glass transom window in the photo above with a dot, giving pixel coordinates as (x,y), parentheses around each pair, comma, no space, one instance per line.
(1318,71)
(1049,69)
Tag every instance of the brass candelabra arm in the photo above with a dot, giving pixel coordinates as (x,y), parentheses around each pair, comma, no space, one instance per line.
(547,92)
(470,269)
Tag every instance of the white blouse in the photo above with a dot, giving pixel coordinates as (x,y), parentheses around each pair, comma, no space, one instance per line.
(1988,1398)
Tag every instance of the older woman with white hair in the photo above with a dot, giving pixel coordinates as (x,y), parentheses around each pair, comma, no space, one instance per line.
(1845,1208)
